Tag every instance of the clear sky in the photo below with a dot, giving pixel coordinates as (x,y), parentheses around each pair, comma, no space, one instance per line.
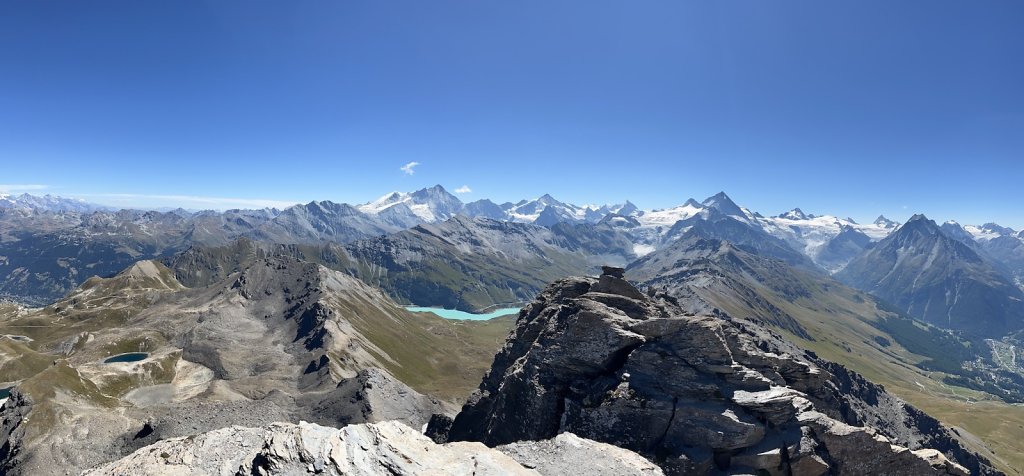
(851,108)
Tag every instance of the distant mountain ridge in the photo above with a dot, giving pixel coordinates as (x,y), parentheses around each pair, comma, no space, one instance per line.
(48,203)
(435,204)
(48,245)
(939,279)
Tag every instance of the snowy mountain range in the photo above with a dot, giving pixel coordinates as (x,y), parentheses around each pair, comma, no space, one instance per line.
(829,241)
(651,229)
(435,204)
(48,203)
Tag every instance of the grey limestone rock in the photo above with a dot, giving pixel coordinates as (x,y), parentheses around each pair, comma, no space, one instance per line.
(695,394)
(367,449)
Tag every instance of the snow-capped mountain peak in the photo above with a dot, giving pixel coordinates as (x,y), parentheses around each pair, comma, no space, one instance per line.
(666,217)
(794,214)
(884,222)
(431,204)
(954,230)
(47,203)
(381,203)
(988,231)
(997,229)
(721,202)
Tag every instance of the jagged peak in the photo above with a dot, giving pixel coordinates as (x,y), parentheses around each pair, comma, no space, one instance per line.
(794,214)
(434,191)
(919,222)
(997,229)
(885,222)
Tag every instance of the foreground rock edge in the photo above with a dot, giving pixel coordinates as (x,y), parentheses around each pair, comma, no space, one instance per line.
(366,449)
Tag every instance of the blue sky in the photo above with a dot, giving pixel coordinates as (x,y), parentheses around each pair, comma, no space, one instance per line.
(850,108)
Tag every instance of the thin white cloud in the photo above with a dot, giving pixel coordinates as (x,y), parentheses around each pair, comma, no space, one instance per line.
(8,188)
(464,189)
(136,200)
(408,168)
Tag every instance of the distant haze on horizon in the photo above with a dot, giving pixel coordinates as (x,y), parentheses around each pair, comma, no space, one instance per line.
(783,104)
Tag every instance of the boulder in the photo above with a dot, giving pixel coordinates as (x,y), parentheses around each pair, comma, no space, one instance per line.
(570,454)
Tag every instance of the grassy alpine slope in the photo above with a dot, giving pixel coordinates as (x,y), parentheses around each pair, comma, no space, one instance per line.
(845,326)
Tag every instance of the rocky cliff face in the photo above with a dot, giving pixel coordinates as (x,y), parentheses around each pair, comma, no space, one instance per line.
(369,449)
(696,394)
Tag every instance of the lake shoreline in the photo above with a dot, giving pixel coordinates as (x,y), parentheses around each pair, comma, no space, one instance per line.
(456,315)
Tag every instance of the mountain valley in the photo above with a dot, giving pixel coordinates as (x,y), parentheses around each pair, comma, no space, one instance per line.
(245,318)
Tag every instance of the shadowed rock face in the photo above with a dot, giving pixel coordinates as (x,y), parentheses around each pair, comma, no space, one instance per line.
(696,394)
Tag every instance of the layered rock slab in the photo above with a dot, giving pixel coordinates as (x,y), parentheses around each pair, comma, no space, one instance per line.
(366,449)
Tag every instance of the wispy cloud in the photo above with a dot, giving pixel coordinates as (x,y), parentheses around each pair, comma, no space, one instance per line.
(136,200)
(464,189)
(8,188)
(408,168)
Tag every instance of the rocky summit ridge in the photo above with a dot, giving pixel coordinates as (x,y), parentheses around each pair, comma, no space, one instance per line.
(695,394)
(367,449)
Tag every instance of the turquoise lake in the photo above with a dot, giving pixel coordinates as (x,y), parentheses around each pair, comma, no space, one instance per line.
(131,357)
(463,315)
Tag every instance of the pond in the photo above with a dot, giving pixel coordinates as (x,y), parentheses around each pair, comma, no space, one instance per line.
(129,357)
(463,315)
(17,338)
(5,392)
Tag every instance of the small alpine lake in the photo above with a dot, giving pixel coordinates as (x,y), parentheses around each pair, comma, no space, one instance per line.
(129,357)
(455,314)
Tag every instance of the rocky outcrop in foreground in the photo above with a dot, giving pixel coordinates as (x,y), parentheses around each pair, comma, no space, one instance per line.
(696,395)
(367,449)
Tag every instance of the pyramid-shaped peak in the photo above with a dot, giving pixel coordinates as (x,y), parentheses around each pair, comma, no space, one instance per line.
(919,223)
(718,197)
(721,202)
(884,222)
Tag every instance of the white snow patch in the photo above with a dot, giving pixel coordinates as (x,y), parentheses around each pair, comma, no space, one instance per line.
(641,249)
(668,216)
(980,234)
